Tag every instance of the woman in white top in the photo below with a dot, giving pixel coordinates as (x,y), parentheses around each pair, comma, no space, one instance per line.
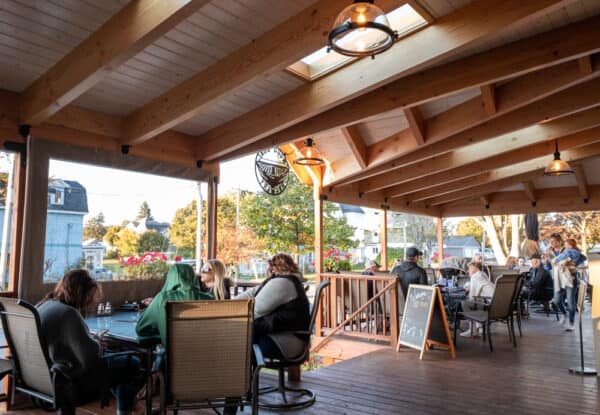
(479,286)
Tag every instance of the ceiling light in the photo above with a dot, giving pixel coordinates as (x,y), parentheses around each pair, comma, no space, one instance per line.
(557,167)
(361,29)
(312,157)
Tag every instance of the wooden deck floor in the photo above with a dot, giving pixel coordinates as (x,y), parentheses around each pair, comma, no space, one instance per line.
(532,379)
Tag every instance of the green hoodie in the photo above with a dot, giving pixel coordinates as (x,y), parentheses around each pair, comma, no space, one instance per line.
(181,285)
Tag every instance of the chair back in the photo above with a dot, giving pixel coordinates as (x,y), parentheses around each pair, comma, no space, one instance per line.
(497,270)
(317,303)
(430,276)
(502,301)
(209,346)
(22,328)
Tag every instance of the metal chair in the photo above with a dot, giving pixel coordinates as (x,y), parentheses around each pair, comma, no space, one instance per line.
(209,356)
(281,364)
(6,368)
(499,309)
(33,372)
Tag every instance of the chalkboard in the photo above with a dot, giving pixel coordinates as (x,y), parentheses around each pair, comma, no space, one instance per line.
(424,322)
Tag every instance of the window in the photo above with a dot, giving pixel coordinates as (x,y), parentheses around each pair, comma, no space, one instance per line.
(117,223)
(404,20)
(7,198)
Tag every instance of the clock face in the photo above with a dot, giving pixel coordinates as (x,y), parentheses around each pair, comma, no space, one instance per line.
(272,171)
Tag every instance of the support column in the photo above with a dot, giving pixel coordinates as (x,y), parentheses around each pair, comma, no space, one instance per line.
(383,239)
(318,208)
(440,239)
(14,262)
(211,217)
(199,203)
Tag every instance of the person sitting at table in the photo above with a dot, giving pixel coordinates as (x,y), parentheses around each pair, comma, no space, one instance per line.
(181,285)
(540,286)
(77,352)
(478,258)
(478,288)
(409,270)
(213,280)
(511,262)
(280,305)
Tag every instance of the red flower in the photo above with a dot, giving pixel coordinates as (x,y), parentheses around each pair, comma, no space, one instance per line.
(347,255)
(177,258)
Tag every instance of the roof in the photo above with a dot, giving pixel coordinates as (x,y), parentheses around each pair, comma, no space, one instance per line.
(75,196)
(460,241)
(351,209)
(458,118)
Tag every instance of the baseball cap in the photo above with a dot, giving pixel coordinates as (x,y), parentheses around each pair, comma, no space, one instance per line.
(536,256)
(413,252)
(373,264)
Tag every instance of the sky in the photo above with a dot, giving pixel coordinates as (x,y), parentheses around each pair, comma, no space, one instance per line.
(118,194)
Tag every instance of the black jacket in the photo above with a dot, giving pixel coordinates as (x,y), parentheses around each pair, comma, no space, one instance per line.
(410,273)
(540,283)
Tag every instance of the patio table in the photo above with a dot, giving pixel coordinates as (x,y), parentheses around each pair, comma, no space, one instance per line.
(121,330)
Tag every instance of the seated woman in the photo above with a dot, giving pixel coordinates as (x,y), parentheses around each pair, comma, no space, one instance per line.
(280,305)
(71,346)
(213,280)
(511,262)
(479,287)
(181,285)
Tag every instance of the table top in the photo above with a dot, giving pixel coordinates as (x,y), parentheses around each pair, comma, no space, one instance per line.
(121,327)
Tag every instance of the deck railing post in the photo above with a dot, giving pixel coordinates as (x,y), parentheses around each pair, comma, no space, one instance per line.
(394,317)
(320,304)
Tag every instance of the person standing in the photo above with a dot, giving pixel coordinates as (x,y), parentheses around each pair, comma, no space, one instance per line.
(565,280)
(409,270)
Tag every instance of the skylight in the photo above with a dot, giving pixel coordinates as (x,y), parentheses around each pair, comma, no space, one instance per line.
(404,20)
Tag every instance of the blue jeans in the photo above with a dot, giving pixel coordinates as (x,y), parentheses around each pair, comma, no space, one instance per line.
(124,379)
(570,295)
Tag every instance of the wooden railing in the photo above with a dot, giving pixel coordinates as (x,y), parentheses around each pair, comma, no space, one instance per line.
(360,306)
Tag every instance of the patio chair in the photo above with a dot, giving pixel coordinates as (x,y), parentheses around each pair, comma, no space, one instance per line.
(281,364)
(6,369)
(33,372)
(209,356)
(499,309)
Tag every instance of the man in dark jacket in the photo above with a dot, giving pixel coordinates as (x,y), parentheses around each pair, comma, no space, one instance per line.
(540,286)
(409,271)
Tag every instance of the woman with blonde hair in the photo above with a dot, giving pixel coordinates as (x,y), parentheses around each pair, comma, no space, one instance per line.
(213,279)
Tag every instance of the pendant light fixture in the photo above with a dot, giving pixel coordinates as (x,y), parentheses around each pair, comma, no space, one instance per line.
(361,29)
(557,167)
(312,157)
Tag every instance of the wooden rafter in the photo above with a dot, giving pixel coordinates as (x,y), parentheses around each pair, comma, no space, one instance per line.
(565,199)
(585,64)
(530,191)
(356,144)
(447,36)
(419,8)
(582,183)
(485,200)
(416,124)
(288,42)
(574,99)
(495,65)
(133,28)
(488,96)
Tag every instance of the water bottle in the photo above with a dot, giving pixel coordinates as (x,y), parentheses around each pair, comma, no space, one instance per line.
(100,310)
(108,308)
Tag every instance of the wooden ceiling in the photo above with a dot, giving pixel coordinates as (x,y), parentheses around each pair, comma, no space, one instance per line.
(457,118)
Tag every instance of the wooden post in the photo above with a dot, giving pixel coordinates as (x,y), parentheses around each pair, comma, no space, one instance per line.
(318,207)
(394,317)
(14,261)
(383,239)
(211,217)
(440,239)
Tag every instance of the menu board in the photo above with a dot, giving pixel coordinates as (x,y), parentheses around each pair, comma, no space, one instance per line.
(424,322)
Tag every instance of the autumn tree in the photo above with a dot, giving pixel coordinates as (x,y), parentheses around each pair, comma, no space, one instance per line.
(144,212)
(584,227)
(112,235)
(182,232)
(470,227)
(504,233)
(127,242)
(152,241)
(94,228)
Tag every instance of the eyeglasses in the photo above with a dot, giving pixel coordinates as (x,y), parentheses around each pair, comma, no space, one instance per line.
(205,270)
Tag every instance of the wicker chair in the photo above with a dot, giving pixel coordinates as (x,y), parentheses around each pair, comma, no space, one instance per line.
(33,372)
(209,356)
(281,364)
(499,309)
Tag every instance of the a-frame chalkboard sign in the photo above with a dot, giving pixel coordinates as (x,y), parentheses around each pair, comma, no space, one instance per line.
(424,323)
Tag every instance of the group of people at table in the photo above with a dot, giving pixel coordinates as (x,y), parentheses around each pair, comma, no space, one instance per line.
(549,275)
(280,304)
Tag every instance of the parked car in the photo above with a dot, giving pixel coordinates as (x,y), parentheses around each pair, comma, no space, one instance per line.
(102,273)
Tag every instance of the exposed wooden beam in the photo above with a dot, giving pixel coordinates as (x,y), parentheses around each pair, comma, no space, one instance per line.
(513,175)
(288,42)
(585,64)
(488,96)
(565,199)
(134,27)
(582,184)
(419,8)
(575,99)
(449,35)
(444,188)
(485,201)
(357,145)
(417,126)
(530,191)
(290,152)
(491,66)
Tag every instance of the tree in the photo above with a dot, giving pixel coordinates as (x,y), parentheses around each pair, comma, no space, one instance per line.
(152,241)
(500,230)
(286,222)
(127,242)
(144,212)
(470,227)
(94,227)
(584,227)
(112,235)
(182,231)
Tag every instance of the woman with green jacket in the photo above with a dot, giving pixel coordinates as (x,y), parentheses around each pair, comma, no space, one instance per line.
(181,285)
